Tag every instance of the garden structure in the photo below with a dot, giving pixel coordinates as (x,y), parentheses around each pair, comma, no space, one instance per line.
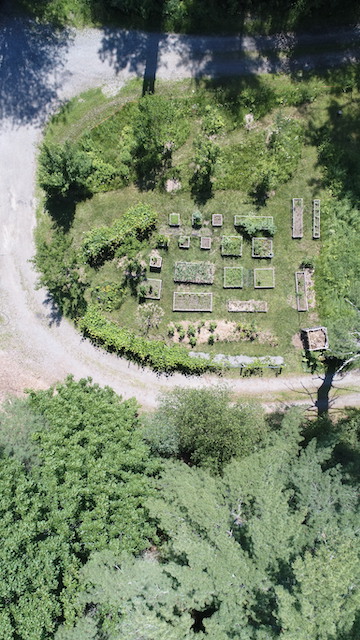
(264,278)
(205,242)
(217,220)
(231,246)
(233,277)
(301,291)
(262,248)
(315,338)
(174,220)
(247,306)
(297,217)
(252,224)
(316,219)
(184,242)
(155,262)
(192,301)
(194,272)
(152,288)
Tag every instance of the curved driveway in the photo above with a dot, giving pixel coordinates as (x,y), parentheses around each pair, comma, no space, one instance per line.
(39,70)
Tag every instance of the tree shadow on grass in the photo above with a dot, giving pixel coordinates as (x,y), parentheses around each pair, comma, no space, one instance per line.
(31,57)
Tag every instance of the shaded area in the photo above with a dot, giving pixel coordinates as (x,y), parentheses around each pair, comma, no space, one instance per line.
(31,56)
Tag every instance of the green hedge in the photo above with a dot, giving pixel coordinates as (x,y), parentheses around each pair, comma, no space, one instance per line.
(153,353)
(100,243)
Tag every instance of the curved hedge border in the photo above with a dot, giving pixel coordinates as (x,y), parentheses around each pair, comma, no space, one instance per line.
(100,243)
(154,353)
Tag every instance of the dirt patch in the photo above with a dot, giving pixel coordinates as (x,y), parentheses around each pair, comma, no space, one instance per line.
(224,331)
(296,341)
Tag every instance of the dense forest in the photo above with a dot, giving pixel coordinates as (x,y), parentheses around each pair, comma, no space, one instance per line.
(205,517)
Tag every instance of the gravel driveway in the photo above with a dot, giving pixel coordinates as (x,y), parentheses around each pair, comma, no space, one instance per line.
(39,70)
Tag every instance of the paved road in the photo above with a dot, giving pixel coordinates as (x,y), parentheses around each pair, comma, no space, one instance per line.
(39,70)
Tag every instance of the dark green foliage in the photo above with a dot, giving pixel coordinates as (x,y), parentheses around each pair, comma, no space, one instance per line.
(84,491)
(206,153)
(269,550)
(58,265)
(154,353)
(203,427)
(64,170)
(135,224)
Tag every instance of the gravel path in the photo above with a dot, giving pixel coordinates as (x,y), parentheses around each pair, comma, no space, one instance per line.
(39,70)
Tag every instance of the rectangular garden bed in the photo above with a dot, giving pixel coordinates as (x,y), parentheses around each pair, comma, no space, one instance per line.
(316,219)
(217,220)
(205,242)
(174,220)
(262,248)
(255,224)
(194,272)
(301,293)
(247,306)
(233,278)
(152,287)
(297,217)
(184,242)
(192,301)
(315,338)
(231,246)
(155,262)
(264,278)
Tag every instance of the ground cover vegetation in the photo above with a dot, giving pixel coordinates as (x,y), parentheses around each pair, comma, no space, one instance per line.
(104,241)
(204,519)
(188,16)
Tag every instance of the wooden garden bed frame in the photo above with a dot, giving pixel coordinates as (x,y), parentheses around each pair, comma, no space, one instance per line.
(236,255)
(315,338)
(316,219)
(301,291)
(240,219)
(174,224)
(259,286)
(297,217)
(184,242)
(155,263)
(191,297)
(205,242)
(233,286)
(217,220)
(256,255)
(247,306)
(191,278)
(149,282)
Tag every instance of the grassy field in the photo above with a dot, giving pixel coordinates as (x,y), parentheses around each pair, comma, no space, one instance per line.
(281,99)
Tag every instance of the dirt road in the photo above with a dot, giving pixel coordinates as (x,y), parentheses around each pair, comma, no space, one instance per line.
(39,70)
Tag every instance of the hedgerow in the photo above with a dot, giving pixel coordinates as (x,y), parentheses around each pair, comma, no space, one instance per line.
(154,353)
(100,243)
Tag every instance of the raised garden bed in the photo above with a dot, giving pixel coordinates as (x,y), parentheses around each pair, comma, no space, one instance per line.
(196,219)
(262,248)
(184,242)
(316,219)
(254,224)
(233,278)
(205,242)
(297,217)
(315,338)
(217,220)
(264,278)
(301,292)
(155,263)
(247,306)
(151,288)
(174,220)
(194,272)
(231,246)
(192,301)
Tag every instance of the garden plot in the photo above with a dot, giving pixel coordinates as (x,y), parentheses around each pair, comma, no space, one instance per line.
(174,220)
(194,272)
(264,278)
(297,217)
(316,219)
(262,248)
(217,220)
(301,291)
(315,338)
(205,242)
(255,224)
(247,306)
(151,288)
(155,262)
(184,242)
(192,301)
(231,246)
(233,278)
